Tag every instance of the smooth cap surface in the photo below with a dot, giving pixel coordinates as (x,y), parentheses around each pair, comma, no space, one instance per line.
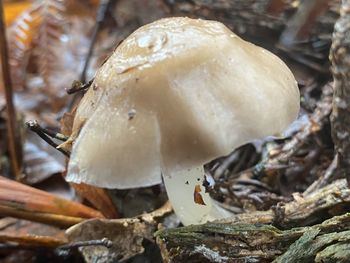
(175,94)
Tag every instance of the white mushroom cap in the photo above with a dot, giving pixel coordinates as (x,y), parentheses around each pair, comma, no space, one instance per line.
(176,94)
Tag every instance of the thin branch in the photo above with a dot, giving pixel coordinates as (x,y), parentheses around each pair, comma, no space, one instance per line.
(52,134)
(299,27)
(99,242)
(317,120)
(35,127)
(326,178)
(12,126)
(100,17)
(78,86)
(55,135)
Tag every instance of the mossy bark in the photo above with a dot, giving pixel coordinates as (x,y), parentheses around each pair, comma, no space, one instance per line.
(223,242)
(340,58)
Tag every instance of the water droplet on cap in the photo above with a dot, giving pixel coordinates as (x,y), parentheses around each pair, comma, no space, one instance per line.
(151,41)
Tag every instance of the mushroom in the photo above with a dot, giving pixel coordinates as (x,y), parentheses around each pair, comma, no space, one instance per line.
(174,95)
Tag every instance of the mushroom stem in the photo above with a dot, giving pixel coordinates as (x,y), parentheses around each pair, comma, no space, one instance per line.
(181,187)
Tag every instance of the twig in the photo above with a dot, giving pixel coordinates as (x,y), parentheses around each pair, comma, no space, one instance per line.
(276,161)
(35,127)
(324,179)
(318,118)
(219,171)
(99,242)
(302,59)
(12,126)
(56,135)
(100,17)
(52,134)
(303,210)
(78,86)
(279,161)
(300,25)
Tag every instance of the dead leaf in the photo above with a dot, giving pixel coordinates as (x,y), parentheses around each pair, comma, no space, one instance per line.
(67,123)
(198,199)
(98,197)
(126,234)
(13,9)
(40,159)
(25,198)
(56,185)
(30,234)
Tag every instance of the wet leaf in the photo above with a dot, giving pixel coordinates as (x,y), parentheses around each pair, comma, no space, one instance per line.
(198,199)
(56,185)
(13,9)
(18,196)
(40,159)
(26,233)
(67,123)
(98,197)
(126,234)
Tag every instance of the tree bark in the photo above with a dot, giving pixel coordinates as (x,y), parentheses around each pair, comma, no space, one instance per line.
(340,58)
(217,242)
(248,236)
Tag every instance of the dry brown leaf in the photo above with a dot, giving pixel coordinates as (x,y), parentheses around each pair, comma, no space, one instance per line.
(126,234)
(18,196)
(30,234)
(98,197)
(198,199)
(13,9)
(40,159)
(66,123)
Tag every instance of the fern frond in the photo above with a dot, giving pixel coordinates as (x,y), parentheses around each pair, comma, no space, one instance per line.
(20,38)
(48,37)
(33,39)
